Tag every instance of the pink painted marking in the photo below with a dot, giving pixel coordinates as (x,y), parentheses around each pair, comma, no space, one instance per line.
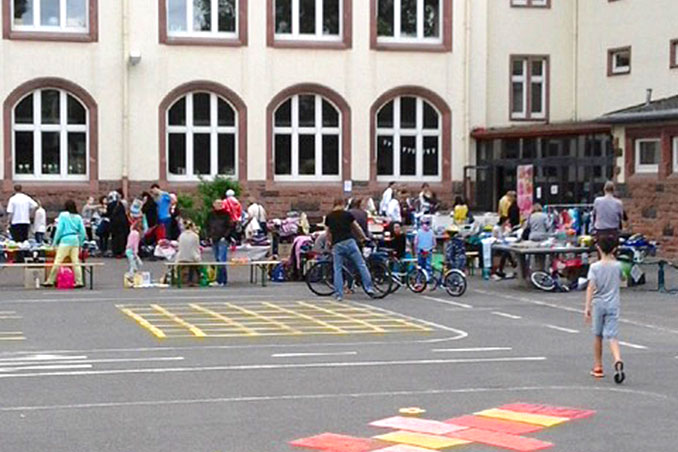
(403,448)
(331,442)
(417,425)
(503,440)
(495,425)
(546,410)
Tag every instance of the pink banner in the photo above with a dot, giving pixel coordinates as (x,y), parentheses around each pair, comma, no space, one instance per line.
(525,189)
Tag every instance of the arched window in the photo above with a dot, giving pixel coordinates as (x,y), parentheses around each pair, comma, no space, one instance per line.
(50,131)
(307,139)
(202,137)
(409,140)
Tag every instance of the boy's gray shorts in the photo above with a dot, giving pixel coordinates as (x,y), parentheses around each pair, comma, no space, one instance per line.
(605,321)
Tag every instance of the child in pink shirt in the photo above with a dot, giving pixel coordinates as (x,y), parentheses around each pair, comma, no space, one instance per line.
(132,249)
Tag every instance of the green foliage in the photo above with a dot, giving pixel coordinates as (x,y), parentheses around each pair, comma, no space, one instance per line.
(197,207)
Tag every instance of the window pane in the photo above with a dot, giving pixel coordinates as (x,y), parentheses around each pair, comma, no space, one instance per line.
(537,68)
(177,114)
(330,155)
(23,113)
(23,12)
(49,13)
(408,156)
(23,152)
(76,112)
(384,155)
(77,153)
(431,153)
(385,18)
(408,18)
(518,105)
(177,153)
(201,109)
(649,153)
(50,106)
(408,112)
(201,153)
(283,16)
(50,153)
(331,17)
(76,14)
(330,115)
(226,114)
(432,18)
(518,67)
(283,115)
(306,154)
(283,154)
(226,159)
(202,15)
(306,111)
(622,59)
(307,16)
(176,15)
(430,117)
(227,16)
(385,116)
(537,98)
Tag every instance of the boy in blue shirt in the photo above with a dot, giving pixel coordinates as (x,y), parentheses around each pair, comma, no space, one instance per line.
(602,307)
(455,249)
(424,243)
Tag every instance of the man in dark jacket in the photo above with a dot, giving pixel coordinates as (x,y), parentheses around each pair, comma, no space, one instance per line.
(219,228)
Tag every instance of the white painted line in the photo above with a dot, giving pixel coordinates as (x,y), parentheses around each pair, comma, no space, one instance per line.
(508,316)
(563,329)
(300,355)
(479,349)
(42,357)
(451,303)
(47,367)
(255,367)
(630,345)
(94,361)
(10,317)
(355,395)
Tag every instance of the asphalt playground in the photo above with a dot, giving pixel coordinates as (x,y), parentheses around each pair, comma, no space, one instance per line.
(248,368)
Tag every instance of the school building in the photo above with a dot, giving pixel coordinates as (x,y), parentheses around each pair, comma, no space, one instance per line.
(306,100)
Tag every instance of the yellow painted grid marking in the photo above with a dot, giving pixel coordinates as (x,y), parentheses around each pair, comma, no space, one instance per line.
(197,332)
(257,319)
(527,418)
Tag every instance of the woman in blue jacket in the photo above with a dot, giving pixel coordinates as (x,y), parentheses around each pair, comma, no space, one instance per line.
(69,237)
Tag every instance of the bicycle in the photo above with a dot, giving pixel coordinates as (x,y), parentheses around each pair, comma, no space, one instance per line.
(320,277)
(452,279)
(552,280)
(406,273)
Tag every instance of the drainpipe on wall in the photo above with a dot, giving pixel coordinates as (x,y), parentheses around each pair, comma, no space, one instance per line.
(125,98)
(575,63)
(467,83)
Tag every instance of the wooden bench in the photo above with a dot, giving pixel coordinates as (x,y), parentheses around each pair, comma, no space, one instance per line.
(263,266)
(87,268)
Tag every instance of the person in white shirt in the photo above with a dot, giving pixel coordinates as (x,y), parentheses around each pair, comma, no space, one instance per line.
(257,212)
(386,198)
(40,223)
(19,209)
(393,210)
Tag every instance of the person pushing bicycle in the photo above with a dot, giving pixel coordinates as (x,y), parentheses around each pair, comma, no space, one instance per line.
(340,229)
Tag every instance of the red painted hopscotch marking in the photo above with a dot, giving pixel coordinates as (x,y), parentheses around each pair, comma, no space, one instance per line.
(495,425)
(483,430)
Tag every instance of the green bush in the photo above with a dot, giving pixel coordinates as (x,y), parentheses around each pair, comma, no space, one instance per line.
(197,207)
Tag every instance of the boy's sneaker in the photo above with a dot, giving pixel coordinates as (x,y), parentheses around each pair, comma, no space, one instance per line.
(496,277)
(338,299)
(619,375)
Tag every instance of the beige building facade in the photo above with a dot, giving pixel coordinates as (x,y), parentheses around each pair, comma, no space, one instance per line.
(304,100)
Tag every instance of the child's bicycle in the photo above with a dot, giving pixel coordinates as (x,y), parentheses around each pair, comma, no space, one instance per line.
(406,272)
(563,275)
(453,280)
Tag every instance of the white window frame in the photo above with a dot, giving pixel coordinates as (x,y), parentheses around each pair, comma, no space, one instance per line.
(214,31)
(620,69)
(530,3)
(527,79)
(296,35)
(675,155)
(63,128)
(214,130)
(645,168)
(318,131)
(419,133)
(63,18)
(420,38)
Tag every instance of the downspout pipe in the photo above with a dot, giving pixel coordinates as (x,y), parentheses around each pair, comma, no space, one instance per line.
(125,98)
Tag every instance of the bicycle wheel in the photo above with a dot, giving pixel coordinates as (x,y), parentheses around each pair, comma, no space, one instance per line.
(381,279)
(319,279)
(417,280)
(455,283)
(543,281)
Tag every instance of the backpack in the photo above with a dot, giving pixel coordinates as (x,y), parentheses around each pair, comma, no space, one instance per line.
(65,278)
